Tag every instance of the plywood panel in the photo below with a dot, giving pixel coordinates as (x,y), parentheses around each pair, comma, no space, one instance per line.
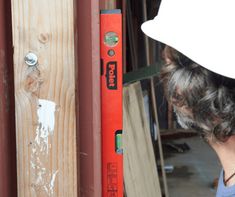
(45,98)
(140,171)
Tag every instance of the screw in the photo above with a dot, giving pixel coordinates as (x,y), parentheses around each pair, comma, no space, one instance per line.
(31,59)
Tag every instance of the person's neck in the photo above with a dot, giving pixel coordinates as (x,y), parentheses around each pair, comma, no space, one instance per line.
(226,154)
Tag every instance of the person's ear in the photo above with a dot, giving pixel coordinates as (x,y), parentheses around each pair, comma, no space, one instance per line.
(168,55)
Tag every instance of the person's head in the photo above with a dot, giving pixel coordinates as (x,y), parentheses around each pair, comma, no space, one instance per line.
(203,100)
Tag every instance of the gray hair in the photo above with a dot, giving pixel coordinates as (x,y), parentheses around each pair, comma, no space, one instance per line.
(208,96)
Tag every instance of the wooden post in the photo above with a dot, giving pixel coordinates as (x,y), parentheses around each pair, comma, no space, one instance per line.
(8,186)
(131,37)
(108,4)
(45,98)
(89,97)
(124,36)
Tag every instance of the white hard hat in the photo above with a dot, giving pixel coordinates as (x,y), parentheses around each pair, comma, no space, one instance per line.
(203,30)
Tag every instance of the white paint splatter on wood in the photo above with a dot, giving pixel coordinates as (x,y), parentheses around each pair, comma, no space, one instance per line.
(46,123)
(44,179)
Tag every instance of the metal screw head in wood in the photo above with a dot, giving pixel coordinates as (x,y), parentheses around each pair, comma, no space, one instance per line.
(31,59)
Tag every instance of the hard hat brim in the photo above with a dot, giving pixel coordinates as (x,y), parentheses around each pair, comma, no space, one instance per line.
(193,49)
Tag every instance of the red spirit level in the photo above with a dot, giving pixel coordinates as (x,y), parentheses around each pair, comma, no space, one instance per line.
(111,103)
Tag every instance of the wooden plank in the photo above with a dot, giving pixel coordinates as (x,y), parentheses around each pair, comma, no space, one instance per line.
(8,185)
(45,98)
(89,97)
(108,4)
(140,170)
(124,34)
(154,105)
(131,36)
(173,134)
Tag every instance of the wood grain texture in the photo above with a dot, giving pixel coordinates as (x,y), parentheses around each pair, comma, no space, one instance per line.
(89,97)
(8,185)
(45,98)
(140,171)
(108,4)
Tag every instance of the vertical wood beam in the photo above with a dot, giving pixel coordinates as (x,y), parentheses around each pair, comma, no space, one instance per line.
(140,172)
(108,4)
(154,105)
(124,35)
(8,185)
(45,98)
(89,97)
